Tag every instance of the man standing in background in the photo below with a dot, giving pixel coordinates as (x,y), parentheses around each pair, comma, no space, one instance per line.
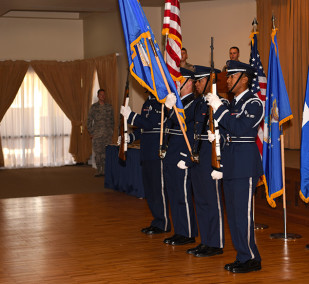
(234,55)
(100,124)
(183,60)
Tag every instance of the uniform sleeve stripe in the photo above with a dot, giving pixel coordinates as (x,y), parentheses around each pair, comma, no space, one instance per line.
(222,114)
(132,122)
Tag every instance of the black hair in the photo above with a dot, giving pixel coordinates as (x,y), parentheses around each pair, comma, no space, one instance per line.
(101,90)
(250,77)
(235,47)
(184,49)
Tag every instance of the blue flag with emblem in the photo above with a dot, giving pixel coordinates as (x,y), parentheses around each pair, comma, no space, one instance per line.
(277,112)
(304,150)
(145,59)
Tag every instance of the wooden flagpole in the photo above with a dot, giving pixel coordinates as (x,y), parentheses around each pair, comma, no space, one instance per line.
(169,91)
(161,151)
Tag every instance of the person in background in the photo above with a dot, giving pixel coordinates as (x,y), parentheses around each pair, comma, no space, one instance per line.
(100,125)
(183,60)
(234,55)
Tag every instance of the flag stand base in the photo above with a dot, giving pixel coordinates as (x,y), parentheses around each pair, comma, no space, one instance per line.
(285,236)
(258,226)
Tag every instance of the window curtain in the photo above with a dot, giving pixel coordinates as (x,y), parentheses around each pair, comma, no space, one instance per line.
(35,131)
(293,40)
(70,84)
(108,79)
(12,74)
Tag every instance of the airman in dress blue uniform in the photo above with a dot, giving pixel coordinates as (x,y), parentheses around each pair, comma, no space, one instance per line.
(207,192)
(178,180)
(242,165)
(148,131)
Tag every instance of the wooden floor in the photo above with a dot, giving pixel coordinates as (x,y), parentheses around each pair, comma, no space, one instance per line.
(96,238)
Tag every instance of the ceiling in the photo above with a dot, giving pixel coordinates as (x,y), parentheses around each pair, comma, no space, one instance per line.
(70,6)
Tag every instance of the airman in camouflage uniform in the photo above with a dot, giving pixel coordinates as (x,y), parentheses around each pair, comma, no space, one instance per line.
(100,124)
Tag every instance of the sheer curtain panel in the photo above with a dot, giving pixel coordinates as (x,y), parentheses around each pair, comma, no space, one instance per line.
(35,132)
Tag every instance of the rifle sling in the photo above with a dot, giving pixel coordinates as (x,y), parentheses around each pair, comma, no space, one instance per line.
(199,145)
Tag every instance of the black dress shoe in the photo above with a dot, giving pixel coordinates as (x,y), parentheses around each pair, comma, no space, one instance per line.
(145,230)
(208,251)
(154,230)
(182,240)
(248,266)
(98,175)
(151,230)
(196,249)
(230,266)
(168,240)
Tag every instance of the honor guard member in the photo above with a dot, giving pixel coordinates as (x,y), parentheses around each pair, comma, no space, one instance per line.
(207,192)
(178,181)
(148,131)
(242,165)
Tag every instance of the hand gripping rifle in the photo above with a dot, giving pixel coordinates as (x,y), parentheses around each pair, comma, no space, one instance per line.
(213,124)
(123,126)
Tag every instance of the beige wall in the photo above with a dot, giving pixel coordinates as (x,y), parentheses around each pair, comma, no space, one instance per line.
(48,39)
(229,22)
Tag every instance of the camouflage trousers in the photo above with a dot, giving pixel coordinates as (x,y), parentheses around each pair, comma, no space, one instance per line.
(98,146)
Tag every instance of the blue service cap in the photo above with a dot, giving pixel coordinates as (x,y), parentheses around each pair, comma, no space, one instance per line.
(186,73)
(237,66)
(203,71)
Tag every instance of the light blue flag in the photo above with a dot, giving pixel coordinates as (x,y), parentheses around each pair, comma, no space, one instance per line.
(304,151)
(277,112)
(143,63)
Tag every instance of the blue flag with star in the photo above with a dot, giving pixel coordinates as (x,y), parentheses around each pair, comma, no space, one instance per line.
(304,150)
(277,112)
(144,65)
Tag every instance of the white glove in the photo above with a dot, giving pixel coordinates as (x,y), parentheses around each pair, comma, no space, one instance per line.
(211,136)
(125,111)
(170,100)
(214,101)
(216,175)
(119,139)
(182,165)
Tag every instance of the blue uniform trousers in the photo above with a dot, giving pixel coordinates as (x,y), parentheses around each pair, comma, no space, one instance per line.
(208,203)
(155,194)
(238,195)
(179,190)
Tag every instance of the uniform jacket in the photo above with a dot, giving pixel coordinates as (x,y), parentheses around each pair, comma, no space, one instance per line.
(201,126)
(148,131)
(100,121)
(241,159)
(176,146)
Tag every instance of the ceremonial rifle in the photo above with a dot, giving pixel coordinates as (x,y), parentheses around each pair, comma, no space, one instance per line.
(123,126)
(213,124)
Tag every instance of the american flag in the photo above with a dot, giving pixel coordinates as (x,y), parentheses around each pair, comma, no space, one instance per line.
(259,85)
(172,31)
